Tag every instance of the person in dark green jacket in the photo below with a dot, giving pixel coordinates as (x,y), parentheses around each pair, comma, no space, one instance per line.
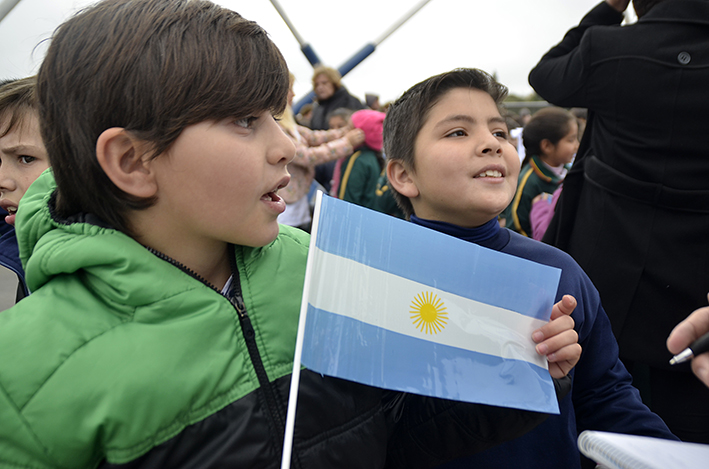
(161,328)
(355,177)
(550,140)
(384,201)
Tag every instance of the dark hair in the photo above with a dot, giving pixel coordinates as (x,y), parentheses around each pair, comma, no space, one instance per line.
(152,67)
(407,115)
(17,100)
(550,123)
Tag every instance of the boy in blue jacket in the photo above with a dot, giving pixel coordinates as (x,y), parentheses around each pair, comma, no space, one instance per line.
(452,169)
(161,328)
(22,160)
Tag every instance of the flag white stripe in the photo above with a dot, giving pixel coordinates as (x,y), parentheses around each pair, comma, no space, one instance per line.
(385,300)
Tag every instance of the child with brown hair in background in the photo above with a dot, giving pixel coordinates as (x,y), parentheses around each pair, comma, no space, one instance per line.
(551,140)
(22,160)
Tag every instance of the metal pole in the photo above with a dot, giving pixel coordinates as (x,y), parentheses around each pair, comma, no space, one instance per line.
(363,53)
(6,6)
(403,20)
(305,48)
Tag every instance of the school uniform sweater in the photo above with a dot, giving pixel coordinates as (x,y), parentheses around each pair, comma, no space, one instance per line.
(602,397)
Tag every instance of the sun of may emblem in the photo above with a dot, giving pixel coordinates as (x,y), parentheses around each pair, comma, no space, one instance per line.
(428,313)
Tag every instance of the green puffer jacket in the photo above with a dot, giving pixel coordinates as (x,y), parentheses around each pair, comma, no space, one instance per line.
(121,359)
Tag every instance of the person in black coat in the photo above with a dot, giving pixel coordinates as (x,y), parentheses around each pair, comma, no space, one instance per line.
(330,94)
(634,212)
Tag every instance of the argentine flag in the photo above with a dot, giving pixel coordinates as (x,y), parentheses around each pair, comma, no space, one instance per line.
(398,306)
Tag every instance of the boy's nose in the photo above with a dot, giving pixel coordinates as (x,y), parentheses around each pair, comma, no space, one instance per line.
(490,146)
(7,183)
(282,149)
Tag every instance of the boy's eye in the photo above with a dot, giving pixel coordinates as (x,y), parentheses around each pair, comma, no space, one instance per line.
(27,159)
(456,133)
(246,122)
(500,134)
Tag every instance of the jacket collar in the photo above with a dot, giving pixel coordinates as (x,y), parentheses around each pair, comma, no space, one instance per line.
(542,170)
(685,11)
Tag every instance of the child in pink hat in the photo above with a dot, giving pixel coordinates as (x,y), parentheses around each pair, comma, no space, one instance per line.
(355,177)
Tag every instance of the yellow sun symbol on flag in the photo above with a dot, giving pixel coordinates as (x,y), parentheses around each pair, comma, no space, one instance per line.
(429,313)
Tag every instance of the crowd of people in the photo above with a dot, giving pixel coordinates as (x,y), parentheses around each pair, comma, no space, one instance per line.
(160,260)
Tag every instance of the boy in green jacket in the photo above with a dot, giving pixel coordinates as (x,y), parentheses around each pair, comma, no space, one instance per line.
(162,326)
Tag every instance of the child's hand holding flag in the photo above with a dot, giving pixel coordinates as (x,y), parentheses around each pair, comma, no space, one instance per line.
(558,340)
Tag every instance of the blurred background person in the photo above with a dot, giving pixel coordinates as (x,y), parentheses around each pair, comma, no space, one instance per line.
(22,159)
(355,177)
(330,94)
(312,147)
(340,118)
(550,140)
(372,101)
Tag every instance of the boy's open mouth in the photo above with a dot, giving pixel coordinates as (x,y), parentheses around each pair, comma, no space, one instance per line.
(8,206)
(272,196)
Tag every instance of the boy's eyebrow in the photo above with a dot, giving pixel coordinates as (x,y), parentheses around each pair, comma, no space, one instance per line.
(469,119)
(15,149)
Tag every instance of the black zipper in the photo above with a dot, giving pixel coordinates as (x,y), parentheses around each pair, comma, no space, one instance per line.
(237,300)
(250,338)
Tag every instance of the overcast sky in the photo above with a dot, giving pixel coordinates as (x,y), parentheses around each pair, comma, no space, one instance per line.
(506,37)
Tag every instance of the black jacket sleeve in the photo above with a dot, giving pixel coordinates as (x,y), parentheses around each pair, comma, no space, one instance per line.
(560,76)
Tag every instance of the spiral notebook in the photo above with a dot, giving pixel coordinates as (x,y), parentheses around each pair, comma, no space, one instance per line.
(619,451)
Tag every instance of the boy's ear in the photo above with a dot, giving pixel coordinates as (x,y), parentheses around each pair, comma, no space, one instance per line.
(400,179)
(125,162)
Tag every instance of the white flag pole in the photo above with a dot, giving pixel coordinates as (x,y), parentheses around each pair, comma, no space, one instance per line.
(295,376)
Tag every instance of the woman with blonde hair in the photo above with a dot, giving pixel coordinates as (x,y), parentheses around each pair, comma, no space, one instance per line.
(312,147)
(330,94)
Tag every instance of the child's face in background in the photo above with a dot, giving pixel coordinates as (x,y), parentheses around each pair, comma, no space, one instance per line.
(565,149)
(337,122)
(466,169)
(218,182)
(22,160)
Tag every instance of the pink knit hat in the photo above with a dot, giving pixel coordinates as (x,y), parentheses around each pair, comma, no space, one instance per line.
(371,122)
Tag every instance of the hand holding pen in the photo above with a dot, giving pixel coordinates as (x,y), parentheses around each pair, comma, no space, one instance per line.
(690,340)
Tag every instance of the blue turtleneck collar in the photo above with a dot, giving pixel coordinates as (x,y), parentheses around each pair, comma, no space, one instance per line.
(487,235)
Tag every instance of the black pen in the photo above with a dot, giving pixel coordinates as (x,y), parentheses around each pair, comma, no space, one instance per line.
(699,346)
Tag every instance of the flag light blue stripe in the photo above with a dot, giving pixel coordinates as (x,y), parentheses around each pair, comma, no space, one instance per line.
(352,350)
(440,261)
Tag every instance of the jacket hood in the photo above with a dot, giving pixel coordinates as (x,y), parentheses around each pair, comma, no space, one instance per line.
(109,263)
